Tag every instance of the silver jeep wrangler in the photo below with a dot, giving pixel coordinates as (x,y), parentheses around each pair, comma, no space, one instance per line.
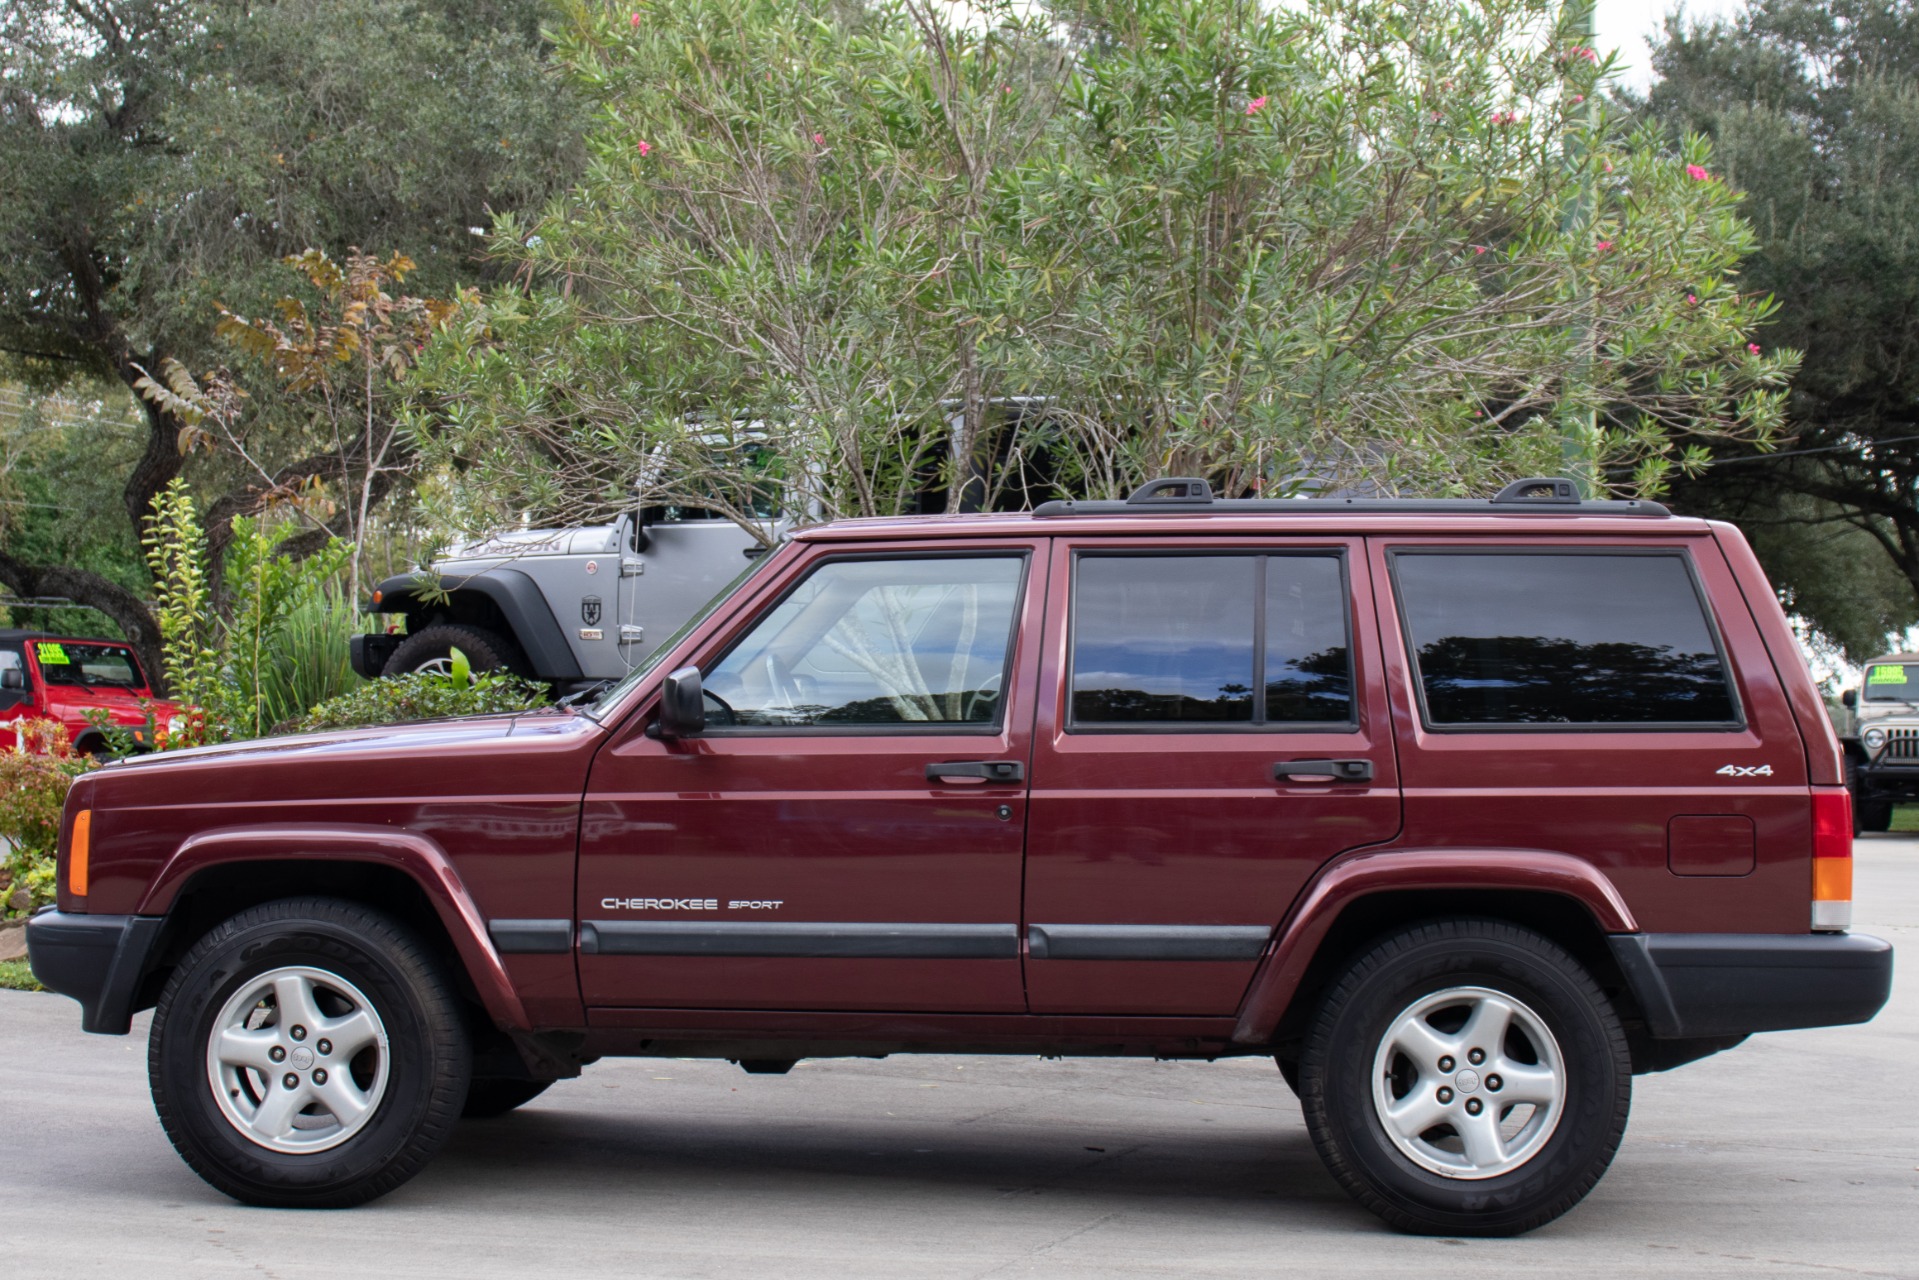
(1881,738)
(571,607)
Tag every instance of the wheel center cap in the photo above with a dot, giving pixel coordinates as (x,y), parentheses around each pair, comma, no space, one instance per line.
(301,1057)
(1465,1081)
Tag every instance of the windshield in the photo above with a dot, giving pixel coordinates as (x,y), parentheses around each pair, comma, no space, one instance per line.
(1892,682)
(91,666)
(608,700)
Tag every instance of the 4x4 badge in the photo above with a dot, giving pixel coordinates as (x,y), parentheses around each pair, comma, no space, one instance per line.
(590,611)
(1745,771)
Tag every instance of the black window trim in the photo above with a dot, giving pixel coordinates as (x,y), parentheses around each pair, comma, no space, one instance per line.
(1683,554)
(1337,552)
(1024,554)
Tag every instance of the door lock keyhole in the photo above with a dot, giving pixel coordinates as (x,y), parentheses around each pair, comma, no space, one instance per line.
(1005,812)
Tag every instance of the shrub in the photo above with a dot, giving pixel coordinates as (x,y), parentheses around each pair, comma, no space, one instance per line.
(34,782)
(423,695)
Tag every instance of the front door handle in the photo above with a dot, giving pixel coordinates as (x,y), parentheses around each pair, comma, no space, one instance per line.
(1337,770)
(984,770)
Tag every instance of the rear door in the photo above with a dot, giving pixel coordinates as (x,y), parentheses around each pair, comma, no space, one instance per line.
(1580,696)
(1214,732)
(16,693)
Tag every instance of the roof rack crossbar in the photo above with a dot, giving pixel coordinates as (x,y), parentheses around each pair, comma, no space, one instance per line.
(1190,495)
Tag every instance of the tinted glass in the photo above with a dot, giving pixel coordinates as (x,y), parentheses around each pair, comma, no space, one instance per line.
(97,666)
(1561,639)
(1163,639)
(876,642)
(1308,667)
(1892,682)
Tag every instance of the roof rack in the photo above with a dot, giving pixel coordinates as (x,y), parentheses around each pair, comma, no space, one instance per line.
(1190,495)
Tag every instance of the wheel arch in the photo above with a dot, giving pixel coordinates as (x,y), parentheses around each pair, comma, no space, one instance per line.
(216,874)
(1360,897)
(502,600)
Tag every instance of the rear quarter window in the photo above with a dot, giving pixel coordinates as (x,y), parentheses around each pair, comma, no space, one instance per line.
(1518,639)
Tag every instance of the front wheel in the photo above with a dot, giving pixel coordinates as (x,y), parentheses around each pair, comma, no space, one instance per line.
(1466,1077)
(308,1053)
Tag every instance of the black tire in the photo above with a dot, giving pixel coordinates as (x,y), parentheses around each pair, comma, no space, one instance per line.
(428,1059)
(1869,812)
(490,1096)
(1336,1084)
(485,650)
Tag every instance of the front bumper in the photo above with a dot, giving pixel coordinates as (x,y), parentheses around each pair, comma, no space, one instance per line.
(98,960)
(1699,985)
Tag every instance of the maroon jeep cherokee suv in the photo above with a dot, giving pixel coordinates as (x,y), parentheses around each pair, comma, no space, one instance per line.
(1462,811)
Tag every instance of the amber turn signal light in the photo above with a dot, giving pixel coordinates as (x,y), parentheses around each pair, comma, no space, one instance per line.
(79,845)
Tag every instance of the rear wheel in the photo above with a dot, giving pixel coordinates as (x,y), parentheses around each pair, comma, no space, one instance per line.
(431,649)
(1466,1078)
(308,1053)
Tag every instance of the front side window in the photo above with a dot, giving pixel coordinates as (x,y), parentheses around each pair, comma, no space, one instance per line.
(1892,682)
(1210,640)
(877,643)
(1525,639)
(93,666)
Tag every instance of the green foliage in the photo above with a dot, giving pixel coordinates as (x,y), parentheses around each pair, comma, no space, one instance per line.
(282,646)
(16,975)
(184,610)
(1812,106)
(422,695)
(1402,245)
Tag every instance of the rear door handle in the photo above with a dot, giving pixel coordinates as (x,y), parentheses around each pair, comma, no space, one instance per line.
(985,770)
(1337,770)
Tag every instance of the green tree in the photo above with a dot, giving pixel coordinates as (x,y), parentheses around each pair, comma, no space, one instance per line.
(1812,107)
(159,157)
(1392,244)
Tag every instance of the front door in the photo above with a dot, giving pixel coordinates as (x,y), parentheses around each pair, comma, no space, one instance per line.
(847,832)
(1219,734)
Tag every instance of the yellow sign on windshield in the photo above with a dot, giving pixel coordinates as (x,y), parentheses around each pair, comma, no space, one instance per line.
(52,654)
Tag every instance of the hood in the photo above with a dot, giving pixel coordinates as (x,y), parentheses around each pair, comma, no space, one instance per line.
(593,540)
(412,738)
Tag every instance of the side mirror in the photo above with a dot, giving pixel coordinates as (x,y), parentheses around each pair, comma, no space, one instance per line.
(682,708)
(1850,698)
(13,678)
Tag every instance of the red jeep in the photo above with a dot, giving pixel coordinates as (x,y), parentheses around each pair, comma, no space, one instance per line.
(1462,811)
(51,677)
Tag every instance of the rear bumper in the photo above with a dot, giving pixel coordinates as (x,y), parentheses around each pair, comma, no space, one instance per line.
(98,960)
(1694,985)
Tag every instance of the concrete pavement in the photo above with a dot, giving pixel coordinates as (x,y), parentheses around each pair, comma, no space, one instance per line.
(1796,1154)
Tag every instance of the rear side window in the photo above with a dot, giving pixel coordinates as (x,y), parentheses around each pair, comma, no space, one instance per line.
(1522,639)
(1210,640)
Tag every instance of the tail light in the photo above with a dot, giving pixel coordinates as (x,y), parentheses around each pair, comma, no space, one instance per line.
(1831,861)
(79,848)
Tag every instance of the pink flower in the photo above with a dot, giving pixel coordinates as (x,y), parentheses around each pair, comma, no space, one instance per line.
(1753,347)
(1692,299)
(819,139)
(1608,166)
(1478,249)
(633,21)
(1579,97)
(1604,245)
(1698,173)
(1254,107)
(645,148)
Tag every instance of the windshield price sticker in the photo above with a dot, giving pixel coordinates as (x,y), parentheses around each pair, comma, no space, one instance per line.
(1878,675)
(52,655)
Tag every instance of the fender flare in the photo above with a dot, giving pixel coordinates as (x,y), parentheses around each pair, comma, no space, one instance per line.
(420,859)
(1360,875)
(518,598)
